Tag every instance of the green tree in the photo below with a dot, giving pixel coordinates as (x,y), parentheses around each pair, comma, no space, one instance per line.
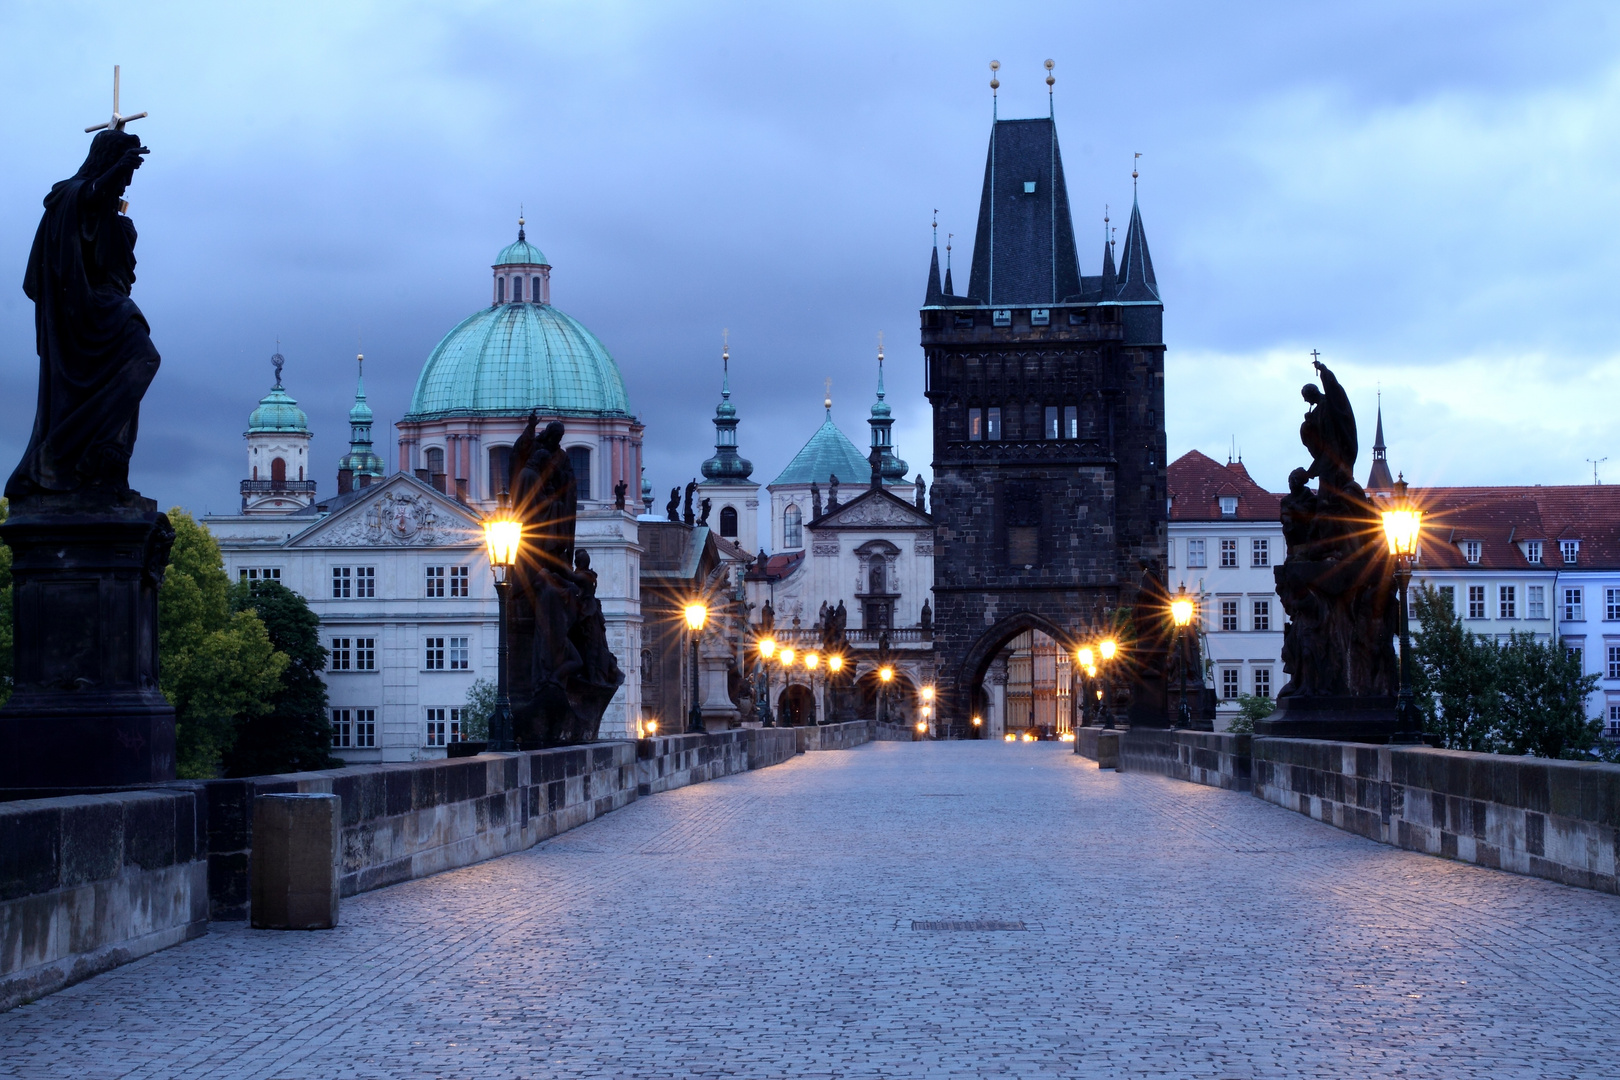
(217,666)
(1541,704)
(1455,676)
(476,712)
(296,734)
(6,672)
(1251,707)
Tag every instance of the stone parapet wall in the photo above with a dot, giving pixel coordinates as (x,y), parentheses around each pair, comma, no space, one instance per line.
(1551,819)
(892,733)
(88,882)
(1200,757)
(672,761)
(837,736)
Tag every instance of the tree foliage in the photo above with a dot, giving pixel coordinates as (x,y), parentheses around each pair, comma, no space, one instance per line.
(1521,696)
(1251,707)
(295,735)
(476,712)
(218,666)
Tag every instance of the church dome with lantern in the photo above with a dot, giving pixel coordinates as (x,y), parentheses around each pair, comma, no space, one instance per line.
(519,353)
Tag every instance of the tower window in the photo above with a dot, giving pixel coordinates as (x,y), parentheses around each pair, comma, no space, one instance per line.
(1040,317)
(435,466)
(500,290)
(500,463)
(278,471)
(992,423)
(1001,317)
(579,458)
(1071,422)
(517,289)
(1052,429)
(975,425)
(534,290)
(792,527)
(1029,187)
(728,522)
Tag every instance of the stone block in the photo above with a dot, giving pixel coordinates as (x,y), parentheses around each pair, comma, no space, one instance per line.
(295,862)
(1108,750)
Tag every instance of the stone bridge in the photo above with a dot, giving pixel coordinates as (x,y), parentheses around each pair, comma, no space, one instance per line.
(890,909)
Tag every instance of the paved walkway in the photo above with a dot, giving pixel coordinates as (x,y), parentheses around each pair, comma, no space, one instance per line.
(761,926)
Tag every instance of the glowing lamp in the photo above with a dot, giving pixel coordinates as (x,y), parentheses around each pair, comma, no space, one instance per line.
(1085,657)
(1107,648)
(928,693)
(811,660)
(1092,672)
(1181,608)
(977,721)
(886,674)
(835,664)
(767,647)
(927,711)
(503,537)
(652,727)
(922,725)
(695,615)
(787,657)
(1010,738)
(1403,523)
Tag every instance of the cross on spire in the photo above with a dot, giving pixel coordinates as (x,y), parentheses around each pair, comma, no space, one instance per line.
(118,119)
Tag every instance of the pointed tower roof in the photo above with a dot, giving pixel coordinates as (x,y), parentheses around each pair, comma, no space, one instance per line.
(935,294)
(1378,478)
(361,458)
(1023,251)
(726,467)
(829,452)
(1109,280)
(1136,280)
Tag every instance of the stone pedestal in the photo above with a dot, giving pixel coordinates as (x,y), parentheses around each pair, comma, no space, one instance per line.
(295,862)
(1342,719)
(86,710)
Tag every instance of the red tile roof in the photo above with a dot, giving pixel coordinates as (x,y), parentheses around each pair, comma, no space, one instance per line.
(775,567)
(1198,482)
(1502,518)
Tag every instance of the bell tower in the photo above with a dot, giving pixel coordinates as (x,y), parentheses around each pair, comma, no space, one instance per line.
(278,480)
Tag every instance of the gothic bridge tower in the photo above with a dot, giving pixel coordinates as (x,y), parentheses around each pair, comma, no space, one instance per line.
(1049,448)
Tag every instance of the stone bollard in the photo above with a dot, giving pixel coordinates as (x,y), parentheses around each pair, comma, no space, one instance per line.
(295,862)
(1108,750)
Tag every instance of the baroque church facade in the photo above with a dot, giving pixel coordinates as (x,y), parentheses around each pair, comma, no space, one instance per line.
(1047,389)
(393,563)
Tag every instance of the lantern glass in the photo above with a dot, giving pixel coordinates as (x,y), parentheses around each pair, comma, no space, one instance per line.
(835,664)
(1085,657)
(695,615)
(1107,648)
(787,656)
(1402,527)
(502,539)
(767,647)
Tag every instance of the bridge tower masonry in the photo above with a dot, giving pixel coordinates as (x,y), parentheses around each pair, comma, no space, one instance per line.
(1047,390)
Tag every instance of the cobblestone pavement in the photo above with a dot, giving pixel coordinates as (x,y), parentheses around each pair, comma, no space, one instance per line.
(761,926)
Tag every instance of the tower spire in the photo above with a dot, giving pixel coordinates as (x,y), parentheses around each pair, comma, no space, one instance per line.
(1378,476)
(726,467)
(949,290)
(995,85)
(1051,113)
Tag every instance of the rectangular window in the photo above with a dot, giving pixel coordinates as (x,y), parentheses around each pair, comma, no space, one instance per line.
(365,727)
(1229,615)
(1229,553)
(342,727)
(1228,505)
(339,658)
(1614,661)
(1569,549)
(1052,429)
(1262,682)
(433,654)
(354,727)
(1260,552)
(458,581)
(1039,316)
(365,654)
(365,581)
(1001,316)
(975,425)
(1611,604)
(435,581)
(1262,614)
(1574,605)
(1448,597)
(1535,601)
(1613,727)
(435,727)
(1476,601)
(1071,422)
(1532,551)
(992,423)
(1470,550)
(341,579)
(259,573)
(1576,653)
(1195,555)
(1231,686)
(1507,602)
(458,654)
(1170,554)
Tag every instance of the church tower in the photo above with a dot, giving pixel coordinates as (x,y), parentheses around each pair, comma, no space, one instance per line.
(278,453)
(360,466)
(893,468)
(1047,390)
(733,497)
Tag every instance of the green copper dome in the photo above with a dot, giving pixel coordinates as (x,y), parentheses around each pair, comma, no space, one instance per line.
(510,358)
(521,253)
(829,452)
(278,410)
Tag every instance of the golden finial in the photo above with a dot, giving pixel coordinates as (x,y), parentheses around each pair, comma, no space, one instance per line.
(880,348)
(827,404)
(1050,79)
(1134,160)
(995,83)
(725,343)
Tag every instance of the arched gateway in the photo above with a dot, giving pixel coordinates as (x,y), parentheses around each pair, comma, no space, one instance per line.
(1047,390)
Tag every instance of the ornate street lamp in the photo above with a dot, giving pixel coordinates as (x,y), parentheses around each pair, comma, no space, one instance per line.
(785,656)
(503,538)
(767,649)
(1106,649)
(695,614)
(885,677)
(1181,614)
(1403,528)
(835,664)
(812,662)
(1086,663)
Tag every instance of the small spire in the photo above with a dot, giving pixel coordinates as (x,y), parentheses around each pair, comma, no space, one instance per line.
(520,222)
(1050,79)
(949,289)
(995,84)
(1134,174)
(725,364)
(936,227)
(880,365)
(827,404)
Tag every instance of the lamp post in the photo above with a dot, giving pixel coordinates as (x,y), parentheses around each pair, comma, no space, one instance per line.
(767,649)
(1106,649)
(785,656)
(503,538)
(928,707)
(812,664)
(1087,667)
(1403,525)
(885,677)
(1181,613)
(695,616)
(835,664)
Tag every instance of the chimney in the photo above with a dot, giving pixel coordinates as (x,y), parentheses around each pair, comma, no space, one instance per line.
(365,480)
(345,481)
(424,476)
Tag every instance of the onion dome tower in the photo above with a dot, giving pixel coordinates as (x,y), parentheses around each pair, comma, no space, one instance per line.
(893,469)
(360,466)
(278,453)
(734,498)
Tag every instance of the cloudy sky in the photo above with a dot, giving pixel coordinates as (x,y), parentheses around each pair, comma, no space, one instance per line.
(1424,192)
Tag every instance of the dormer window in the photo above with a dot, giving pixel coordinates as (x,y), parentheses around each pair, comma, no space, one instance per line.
(1040,317)
(1532,551)
(1569,549)
(1228,506)
(1001,317)
(1029,187)
(1470,550)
